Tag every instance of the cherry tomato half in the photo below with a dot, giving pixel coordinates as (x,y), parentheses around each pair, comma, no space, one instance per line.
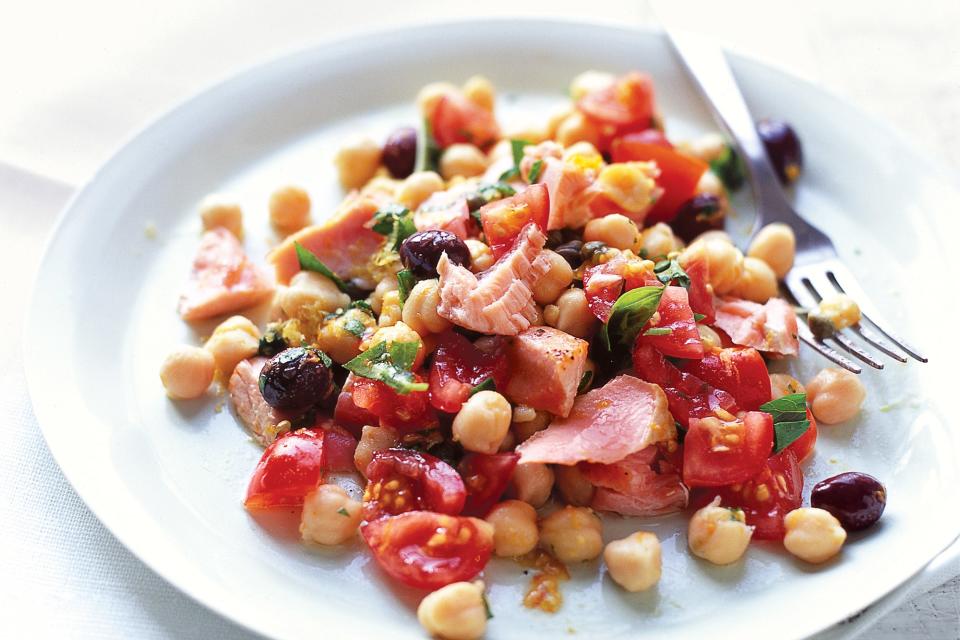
(721,452)
(676,316)
(741,372)
(503,220)
(458,366)
(400,480)
(427,550)
(627,103)
(486,477)
(289,469)
(456,119)
(404,412)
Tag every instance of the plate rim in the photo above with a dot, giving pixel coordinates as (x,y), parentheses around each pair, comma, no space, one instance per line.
(211,600)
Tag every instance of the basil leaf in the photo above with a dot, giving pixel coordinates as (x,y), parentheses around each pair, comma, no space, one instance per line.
(389,366)
(784,433)
(325,359)
(585,380)
(495,191)
(658,331)
(343,511)
(535,171)
(363,305)
(428,151)
(354,327)
(697,317)
(406,280)
(789,419)
(516,148)
(729,168)
(669,270)
(310,262)
(630,312)
(509,174)
(487,385)
(395,222)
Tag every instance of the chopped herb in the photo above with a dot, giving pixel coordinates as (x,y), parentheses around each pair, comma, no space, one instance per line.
(272,341)
(309,261)
(509,174)
(535,170)
(630,312)
(354,326)
(428,151)
(475,214)
(325,359)
(495,191)
(697,317)
(516,148)
(395,222)
(406,280)
(585,381)
(668,271)
(789,419)
(486,606)
(389,366)
(488,384)
(343,511)
(681,432)
(363,305)
(729,168)
(658,331)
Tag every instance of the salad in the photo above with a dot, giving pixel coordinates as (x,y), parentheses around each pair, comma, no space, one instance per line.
(502,337)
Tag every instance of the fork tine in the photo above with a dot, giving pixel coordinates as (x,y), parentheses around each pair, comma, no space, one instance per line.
(841,278)
(856,350)
(824,286)
(825,350)
(878,342)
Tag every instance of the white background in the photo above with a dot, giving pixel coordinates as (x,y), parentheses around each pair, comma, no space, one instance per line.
(77,78)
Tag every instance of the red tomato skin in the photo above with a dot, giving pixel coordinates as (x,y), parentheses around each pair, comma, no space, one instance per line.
(339,445)
(404,412)
(456,120)
(653,136)
(346,412)
(679,174)
(627,103)
(701,298)
(290,468)
(803,446)
(399,545)
(705,466)
(502,220)
(486,477)
(676,315)
(458,366)
(424,482)
(600,299)
(741,372)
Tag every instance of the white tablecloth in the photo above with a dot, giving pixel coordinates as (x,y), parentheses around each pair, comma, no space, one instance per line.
(79,77)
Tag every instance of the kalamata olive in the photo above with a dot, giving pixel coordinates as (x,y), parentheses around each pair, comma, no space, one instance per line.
(296,379)
(783,148)
(400,152)
(570,251)
(700,213)
(855,499)
(421,252)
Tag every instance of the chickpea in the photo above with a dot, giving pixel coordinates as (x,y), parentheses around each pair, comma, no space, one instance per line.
(631,186)
(357,162)
(572,314)
(710,338)
(718,534)
(555,118)
(839,309)
(329,516)
(657,241)
(482,422)
(576,127)
(708,147)
(524,426)
(502,149)
(776,245)
(417,187)
(558,277)
(711,184)
(289,209)
(614,230)
(514,528)
(835,395)
(551,314)
(381,187)
(479,90)
(187,372)
(714,234)
(481,256)
(455,612)
(572,534)
(462,160)
(338,337)
(217,210)
(782,384)
(573,485)
(757,282)
(583,150)
(724,260)
(234,339)
(312,290)
(373,439)
(430,96)
(814,535)
(634,562)
(420,309)
(588,82)
(399,332)
(532,482)
(391,311)
(376,298)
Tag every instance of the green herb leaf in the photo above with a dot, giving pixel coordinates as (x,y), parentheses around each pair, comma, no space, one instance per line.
(310,262)
(516,148)
(343,511)
(729,168)
(789,419)
(428,151)
(697,317)
(668,271)
(585,380)
(363,305)
(486,606)
(354,326)
(395,222)
(487,385)
(535,170)
(406,280)
(630,312)
(325,359)
(389,366)
(658,331)
(495,191)
(509,174)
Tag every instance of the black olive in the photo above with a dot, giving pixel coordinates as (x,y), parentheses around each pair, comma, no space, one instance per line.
(475,201)
(783,148)
(554,238)
(400,152)
(856,499)
(421,252)
(296,379)
(570,251)
(700,213)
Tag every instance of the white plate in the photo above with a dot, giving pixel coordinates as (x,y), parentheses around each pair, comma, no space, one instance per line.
(167,478)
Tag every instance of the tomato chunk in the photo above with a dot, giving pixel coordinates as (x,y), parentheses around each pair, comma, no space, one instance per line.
(400,480)
(679,174)
(456,119)
(486,477)
(289,469)
(803,446)
(427,550)
(458,366)
(720,452)
(741,372)
(676,316)
(701,298)
(626,105)
(502,220)
(404,412)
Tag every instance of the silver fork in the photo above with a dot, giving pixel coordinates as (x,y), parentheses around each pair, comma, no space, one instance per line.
(817,270)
